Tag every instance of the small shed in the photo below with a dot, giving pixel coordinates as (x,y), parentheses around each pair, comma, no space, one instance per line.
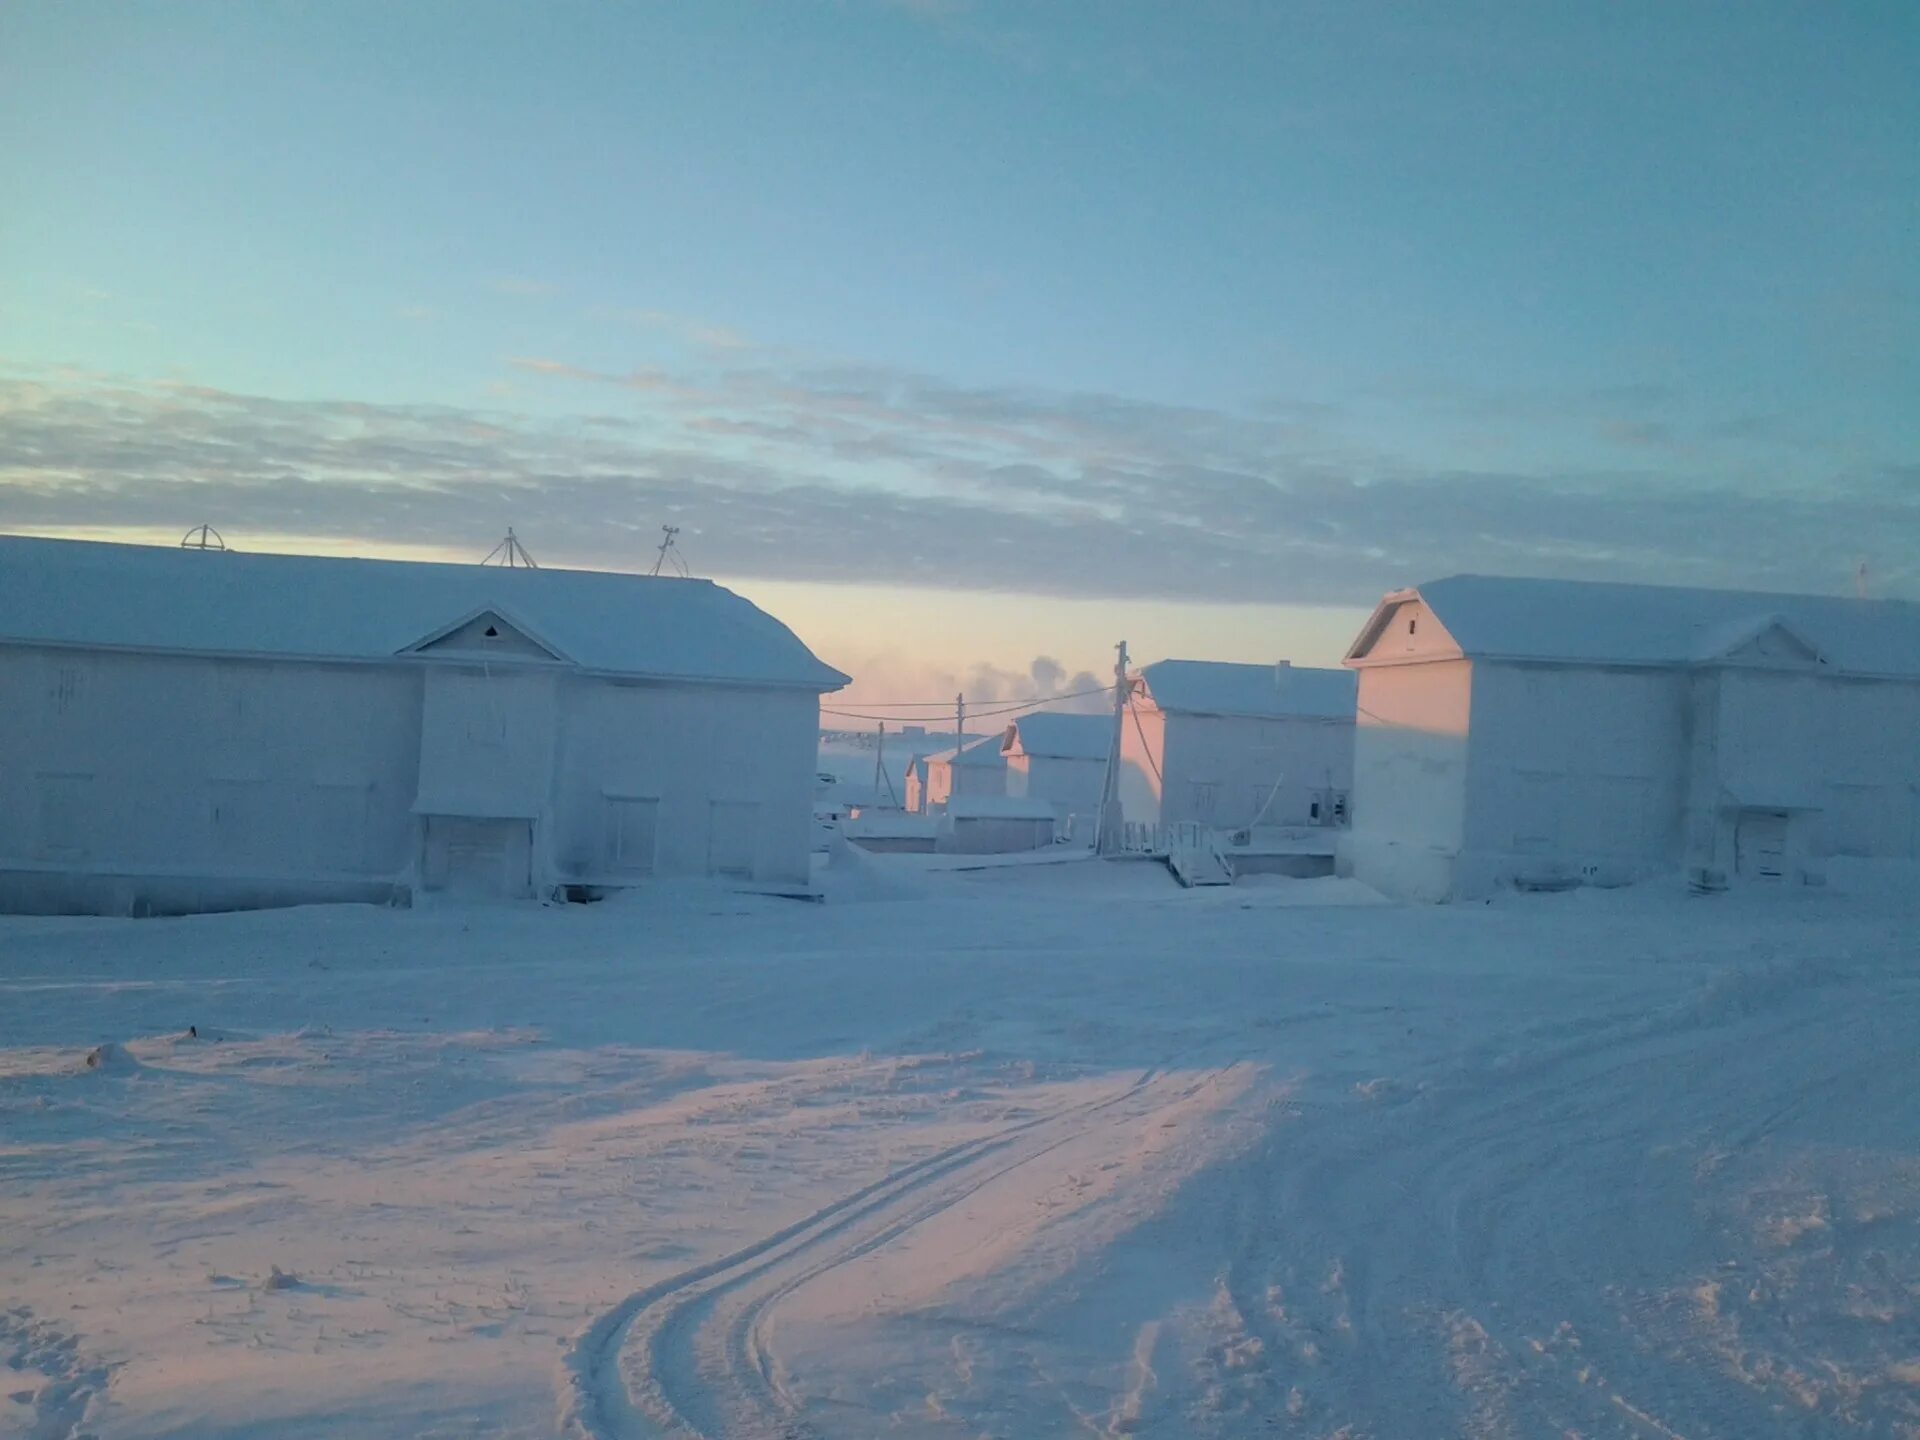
(1544,733)
(1231,746)
(996,825)
(1060,758)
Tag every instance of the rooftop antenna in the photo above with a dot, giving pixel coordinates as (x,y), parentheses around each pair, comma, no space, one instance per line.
(667,532)
(1860,581)
(511,554)
(202,537)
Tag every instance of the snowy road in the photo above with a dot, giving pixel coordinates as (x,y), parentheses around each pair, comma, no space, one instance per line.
(1061,1152)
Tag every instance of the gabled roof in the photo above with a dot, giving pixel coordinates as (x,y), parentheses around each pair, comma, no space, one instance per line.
(139,597)
(974,752)
(1213,687)
(1514,618)
(1053,735)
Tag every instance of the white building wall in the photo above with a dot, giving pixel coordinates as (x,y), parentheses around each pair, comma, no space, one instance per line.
(1574,772)
(1410,777)
(131,780)
(177,766)
(725,776)
(1071,786)
(1143,743)
(1220,770)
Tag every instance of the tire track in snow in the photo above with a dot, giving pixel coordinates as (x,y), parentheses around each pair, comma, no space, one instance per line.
(666,1394)
(1497,1241)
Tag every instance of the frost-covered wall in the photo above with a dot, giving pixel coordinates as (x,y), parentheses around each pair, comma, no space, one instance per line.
(1226,770)
(1071,785)
(1576,769)
(179,768)
(131,781)
(1410,777)
(683,780)
(1473,776)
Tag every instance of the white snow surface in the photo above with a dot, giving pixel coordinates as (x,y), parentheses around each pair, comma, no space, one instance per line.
(1029,1151)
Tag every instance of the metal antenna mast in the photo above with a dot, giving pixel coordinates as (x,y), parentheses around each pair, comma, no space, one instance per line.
(511,554)
(667,532)
(202,537)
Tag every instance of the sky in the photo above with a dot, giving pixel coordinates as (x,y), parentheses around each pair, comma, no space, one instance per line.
(967,336)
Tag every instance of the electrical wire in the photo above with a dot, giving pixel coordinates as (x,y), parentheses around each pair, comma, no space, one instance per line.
(1145,748)
(983,714)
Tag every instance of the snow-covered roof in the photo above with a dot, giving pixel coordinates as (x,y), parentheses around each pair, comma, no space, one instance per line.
(1054,735)
(139,597)
(998,807)
(1279,691)
(1514,618)
(974,752)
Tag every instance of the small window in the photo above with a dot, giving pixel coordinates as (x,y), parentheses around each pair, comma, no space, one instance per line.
(1313,812)
(492,632)
(1412,625)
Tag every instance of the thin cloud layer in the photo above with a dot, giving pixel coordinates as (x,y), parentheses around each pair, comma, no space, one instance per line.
(825,473)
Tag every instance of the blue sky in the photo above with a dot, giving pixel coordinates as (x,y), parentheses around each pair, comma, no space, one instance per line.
(1212,320)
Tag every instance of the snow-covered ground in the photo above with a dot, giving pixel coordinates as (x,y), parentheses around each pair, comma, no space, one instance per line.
(1042,1150)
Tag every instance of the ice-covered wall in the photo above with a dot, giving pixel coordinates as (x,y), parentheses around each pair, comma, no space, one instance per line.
(130,780)
(1143,740)
(1575,771)
(683,780)
(1071,785)
(117,764)
(1224,770)
(1410,777)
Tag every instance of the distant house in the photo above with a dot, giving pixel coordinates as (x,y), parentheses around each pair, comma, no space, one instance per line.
(1546,732)
(974,768)
(184,730)
(1231,746)
(1059,758)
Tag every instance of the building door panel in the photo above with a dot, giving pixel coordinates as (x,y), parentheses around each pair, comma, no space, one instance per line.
(1760,844)
(479,859)
(733,838)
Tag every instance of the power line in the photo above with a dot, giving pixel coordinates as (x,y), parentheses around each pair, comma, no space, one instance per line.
(991,711)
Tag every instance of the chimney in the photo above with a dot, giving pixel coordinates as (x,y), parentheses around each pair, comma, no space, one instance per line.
(1280,669)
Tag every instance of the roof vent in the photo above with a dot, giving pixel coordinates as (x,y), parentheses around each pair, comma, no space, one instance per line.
(492,632)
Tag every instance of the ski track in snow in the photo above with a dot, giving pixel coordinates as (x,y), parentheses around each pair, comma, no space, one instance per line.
(687,1357)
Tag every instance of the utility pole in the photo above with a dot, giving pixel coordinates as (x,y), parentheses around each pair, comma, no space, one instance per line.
(959,721)
(1108,841)
(879,760)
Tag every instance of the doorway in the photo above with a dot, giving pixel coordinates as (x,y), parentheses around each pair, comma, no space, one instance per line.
(478,858)
(1760,844)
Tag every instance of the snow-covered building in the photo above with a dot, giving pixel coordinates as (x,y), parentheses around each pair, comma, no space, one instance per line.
(1547,732)
(975,767)
(183,729)
(1231,745)
(996,825)
(1059,758)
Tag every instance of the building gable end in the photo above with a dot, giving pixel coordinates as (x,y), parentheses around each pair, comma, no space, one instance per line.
(1403,629)
(487,633)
